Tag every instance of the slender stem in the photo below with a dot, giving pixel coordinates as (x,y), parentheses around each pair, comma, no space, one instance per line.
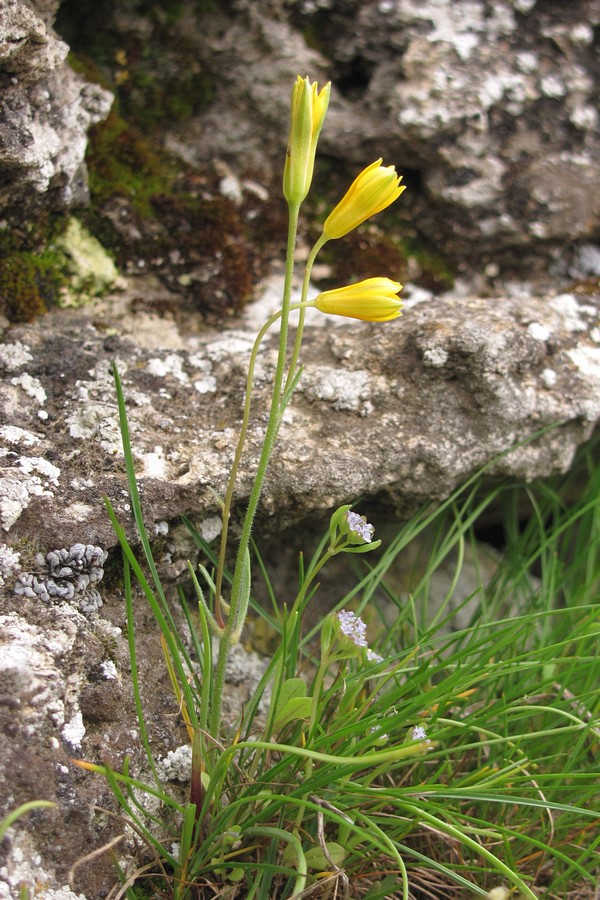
(310,576)
(314,711)
(247,403)
(267,448)
(236,464)
(305,284)
(239,450)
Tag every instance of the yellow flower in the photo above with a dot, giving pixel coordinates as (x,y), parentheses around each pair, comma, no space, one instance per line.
(373,300)
(373,190)
(308,114)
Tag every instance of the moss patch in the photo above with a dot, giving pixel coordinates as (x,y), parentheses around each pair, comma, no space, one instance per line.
(30,283)
(144,52)
(157,214)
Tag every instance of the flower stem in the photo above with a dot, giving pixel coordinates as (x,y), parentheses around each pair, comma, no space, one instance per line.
(305,284)
(310,576)
(275,413)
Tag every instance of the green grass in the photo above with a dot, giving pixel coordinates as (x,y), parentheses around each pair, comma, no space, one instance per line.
(329,792)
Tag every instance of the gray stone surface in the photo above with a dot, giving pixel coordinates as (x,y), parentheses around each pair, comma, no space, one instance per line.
(407,409)
(491,109)
(45,111)
(404,410)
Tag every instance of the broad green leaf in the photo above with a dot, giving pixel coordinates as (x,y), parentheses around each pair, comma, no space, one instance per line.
(315,857)
(292,703)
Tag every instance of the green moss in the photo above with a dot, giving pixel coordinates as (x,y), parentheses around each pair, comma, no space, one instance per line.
(29,284)
(156,77)
(55,264)
(122,163)
(147,206)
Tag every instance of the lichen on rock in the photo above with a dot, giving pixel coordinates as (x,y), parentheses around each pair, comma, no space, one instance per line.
(66,575)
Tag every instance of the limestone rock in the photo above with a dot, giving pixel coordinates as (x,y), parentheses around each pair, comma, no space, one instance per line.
(45,111)
(406,410)
(490,111)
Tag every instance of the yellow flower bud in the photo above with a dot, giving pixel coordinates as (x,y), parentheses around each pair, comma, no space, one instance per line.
(373,300)
(308,114)
(373,190)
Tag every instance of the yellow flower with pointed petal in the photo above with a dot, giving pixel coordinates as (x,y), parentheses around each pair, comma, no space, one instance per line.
(308,114)
(373,190)
(373,300)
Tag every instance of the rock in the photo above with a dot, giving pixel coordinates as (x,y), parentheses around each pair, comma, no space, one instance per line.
(43,669)
(408,410)
(46,111)
(491,113)
(399,413)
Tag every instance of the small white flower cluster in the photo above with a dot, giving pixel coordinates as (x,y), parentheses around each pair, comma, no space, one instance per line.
(353,627)
(419,734)
(358,525)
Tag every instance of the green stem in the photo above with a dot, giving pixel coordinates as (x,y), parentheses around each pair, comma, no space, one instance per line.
(267,448)
(310,577)
(292,839)
(247,403)
(236,464)
(300,330)
(309,763)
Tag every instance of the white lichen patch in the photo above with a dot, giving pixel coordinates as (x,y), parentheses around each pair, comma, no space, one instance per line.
(168,365)
(211,528)
(549,378)
(538,331)
(232,345)
(30,667)
(206,385)
(586,262)
(73,731)
(587,360)
(108,670)
(524,6)
(80,512)
(41,466)
(177,764)
(568,308)
(32,387)
(435,357)
(552,86)
(584,117)
(28,477)
(19,437)
(9,564)
(14,498)
(344,389)
(153,464)
(96,417)
(96,420)
(13,356)
(23,869)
